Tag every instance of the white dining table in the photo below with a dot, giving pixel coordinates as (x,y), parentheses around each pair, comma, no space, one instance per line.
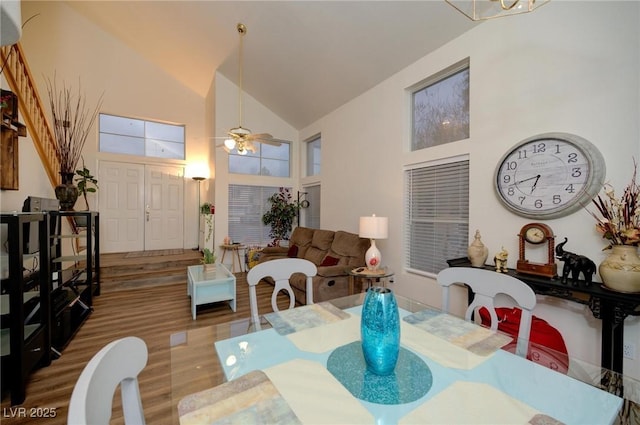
(291,363)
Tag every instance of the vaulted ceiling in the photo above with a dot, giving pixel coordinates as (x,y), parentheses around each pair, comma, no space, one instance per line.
(302,59)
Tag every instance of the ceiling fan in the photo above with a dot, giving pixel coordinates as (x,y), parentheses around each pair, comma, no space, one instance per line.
(241,138)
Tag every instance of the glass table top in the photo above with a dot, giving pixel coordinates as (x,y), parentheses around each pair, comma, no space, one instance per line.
(195,363)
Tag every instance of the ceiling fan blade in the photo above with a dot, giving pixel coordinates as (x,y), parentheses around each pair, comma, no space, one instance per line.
(260,136)
(250,147)
(279,141)
(272,142)
(226,149)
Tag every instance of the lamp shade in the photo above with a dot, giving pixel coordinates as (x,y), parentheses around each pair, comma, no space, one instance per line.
(374,227)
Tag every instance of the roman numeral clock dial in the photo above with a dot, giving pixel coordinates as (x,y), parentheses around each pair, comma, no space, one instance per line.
(549,175)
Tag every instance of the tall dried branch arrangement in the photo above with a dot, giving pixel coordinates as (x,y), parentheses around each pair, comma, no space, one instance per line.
(72,122)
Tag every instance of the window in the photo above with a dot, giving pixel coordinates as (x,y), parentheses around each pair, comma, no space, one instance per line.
(440,108)
(140,137)
(311,214)
(247,205)
(267,160)
(436,214)
(313,156)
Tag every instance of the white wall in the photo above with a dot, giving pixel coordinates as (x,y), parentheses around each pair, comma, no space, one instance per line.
(568,67)
(59,42)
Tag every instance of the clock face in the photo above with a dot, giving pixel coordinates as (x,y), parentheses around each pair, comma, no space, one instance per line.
(549,175)
(534,235)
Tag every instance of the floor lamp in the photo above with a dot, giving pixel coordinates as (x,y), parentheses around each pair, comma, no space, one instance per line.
(198,179)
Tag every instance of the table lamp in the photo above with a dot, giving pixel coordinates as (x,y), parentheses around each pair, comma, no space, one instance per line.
(373,228)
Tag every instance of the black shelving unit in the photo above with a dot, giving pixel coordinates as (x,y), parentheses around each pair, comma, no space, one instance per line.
(76,278)
(25,291)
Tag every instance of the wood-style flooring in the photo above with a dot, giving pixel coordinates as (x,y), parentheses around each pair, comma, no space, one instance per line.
(150,311)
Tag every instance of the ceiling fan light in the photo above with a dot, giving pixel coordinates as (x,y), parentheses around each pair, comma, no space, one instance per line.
(478,10)
(230,143)
(242,151)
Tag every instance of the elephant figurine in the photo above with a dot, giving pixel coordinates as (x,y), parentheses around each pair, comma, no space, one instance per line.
(575,264)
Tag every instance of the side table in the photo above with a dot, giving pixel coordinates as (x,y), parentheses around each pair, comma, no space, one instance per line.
(235,255)
(368,276)
(209,285)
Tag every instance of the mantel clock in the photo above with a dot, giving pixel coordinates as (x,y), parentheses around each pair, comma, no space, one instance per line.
(537,234)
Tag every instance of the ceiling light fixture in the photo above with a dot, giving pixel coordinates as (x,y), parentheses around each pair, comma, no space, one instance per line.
(478,10)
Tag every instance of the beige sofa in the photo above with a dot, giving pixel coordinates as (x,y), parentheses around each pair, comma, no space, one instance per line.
(332,252)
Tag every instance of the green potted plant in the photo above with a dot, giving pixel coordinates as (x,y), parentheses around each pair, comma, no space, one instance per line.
(205,208)
(208,258)
(281,215)
(86,183)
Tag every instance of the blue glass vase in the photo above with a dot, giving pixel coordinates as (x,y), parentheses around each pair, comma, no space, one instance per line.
(380,330)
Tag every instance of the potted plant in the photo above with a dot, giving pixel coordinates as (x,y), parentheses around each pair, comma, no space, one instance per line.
(208,259)
(281,215)
(71,123)
(205,210)
(87,183)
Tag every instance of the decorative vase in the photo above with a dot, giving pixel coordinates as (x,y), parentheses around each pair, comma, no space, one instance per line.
(380,330)
(67,192)
(620,271)
(477,251)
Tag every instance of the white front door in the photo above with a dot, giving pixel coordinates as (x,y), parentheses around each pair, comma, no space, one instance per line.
(163,207)
(140,207)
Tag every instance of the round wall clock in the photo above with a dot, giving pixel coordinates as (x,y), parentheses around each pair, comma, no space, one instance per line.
(549,175)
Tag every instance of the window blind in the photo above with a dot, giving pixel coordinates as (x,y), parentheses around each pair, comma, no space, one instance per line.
(247,205)
(436,215)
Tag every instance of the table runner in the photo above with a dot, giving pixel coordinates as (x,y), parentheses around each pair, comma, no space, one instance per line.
(309,316)
(324,338)
(315,396)
(449,340)
(251,398)
(466,402)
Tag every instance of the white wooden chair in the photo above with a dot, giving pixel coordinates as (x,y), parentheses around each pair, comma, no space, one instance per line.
(117,363)
(280,270)
(486,285)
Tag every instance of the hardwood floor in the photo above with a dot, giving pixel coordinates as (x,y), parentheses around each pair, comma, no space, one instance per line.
(151,312)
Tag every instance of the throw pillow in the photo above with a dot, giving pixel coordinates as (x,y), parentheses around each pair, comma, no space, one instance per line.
(329,261)
(293,251)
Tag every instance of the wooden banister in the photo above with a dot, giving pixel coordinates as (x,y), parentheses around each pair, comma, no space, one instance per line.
(16,72)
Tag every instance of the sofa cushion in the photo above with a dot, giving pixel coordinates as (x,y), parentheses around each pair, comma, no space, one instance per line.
(301,237)
(315,255)
(322,239)
(349,247)
(329,261)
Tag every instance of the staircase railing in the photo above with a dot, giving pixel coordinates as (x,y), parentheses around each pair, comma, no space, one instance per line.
(18,76)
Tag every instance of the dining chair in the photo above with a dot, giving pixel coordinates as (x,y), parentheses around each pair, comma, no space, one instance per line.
(280,270)
(117,363)
(486,285)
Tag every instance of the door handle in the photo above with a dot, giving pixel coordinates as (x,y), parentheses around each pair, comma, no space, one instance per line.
(148,213)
